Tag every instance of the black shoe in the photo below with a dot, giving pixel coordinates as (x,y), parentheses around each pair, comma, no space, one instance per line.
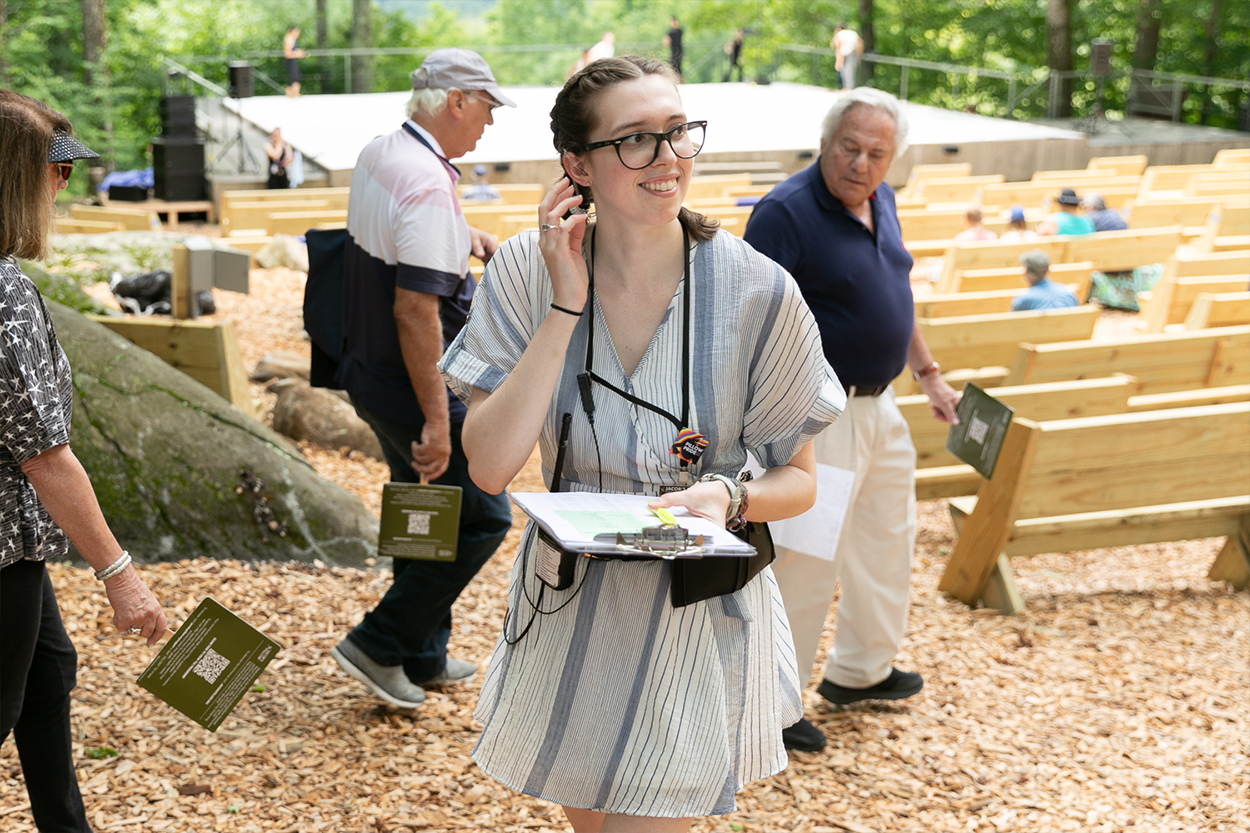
(898,686)
(803,737)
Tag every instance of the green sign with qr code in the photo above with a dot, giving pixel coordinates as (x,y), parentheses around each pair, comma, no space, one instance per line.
(420,521)
(983,422)
(209,664)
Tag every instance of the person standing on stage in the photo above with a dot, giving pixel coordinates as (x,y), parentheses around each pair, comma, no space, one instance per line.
(407,290)
(673,41)
(292,54)
(833,226)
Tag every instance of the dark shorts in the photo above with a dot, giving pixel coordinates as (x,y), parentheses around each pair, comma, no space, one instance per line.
(292,71)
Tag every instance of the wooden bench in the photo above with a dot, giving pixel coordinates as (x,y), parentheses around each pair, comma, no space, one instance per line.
(298,222)
(1104,481)
(1172,180)
(250,218)
(291,199)
(1172,300)
(1160,363)
(1183,211)
(64,225)
(992,302)
(917,173)
(1117,251)
(489,218)
(1194,264)
(715,186)
(514,194)
(1217,185)
(1222,309)
(1114,190)
(208,353)
(1226,230)
(131,219)
(1232,158)
(994,255)
(1119,165)
(961,189)
(1076,275)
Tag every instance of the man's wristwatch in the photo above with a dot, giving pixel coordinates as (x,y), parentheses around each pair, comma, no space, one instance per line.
(932,368)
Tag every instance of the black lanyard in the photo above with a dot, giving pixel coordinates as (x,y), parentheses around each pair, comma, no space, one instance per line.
(684,421)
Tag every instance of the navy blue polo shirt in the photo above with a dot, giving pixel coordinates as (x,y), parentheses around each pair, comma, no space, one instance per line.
(857,283)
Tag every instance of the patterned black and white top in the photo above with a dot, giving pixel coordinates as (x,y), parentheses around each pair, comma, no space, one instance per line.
(35,402)
(618,701)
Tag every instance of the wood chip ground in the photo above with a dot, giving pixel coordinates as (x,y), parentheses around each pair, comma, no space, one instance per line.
(1118,702)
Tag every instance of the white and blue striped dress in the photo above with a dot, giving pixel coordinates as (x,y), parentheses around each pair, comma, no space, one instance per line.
(620,702)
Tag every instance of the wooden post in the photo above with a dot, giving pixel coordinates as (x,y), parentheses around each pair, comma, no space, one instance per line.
(986,530)
(1233,562)
(180,283)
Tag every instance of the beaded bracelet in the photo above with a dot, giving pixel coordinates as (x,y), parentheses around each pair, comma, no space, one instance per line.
(738,521)
(122,562)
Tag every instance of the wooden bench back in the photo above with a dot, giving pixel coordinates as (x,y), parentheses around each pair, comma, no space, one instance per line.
(517,193)
(243,217)
(715,186)
(1228,228)
(1194,264)
(954,189)
(949,171)
(64,225)
(489,218)
(1077,275)
(1160,363)
(1172,301)
(1184,211)
(1232,157)
(1217,185)
(1040,195)
(1222,309)
(1174,178)
(733,219)
(926,224)
(1057,400)
(1115,251)
(1120,165)
(1102,463)
(131,219)
(965,341)
(994,255)
(298,222)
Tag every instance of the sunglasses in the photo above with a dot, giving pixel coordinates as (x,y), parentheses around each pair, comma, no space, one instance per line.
(64,169)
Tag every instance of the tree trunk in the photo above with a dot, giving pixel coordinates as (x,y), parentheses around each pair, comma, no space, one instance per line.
(1208,66)
(362,38)
(1059,51)
(95,69)
(1149,19)
(322,29)
(870,40)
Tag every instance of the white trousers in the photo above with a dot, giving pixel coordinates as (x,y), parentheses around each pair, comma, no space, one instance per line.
(873,558)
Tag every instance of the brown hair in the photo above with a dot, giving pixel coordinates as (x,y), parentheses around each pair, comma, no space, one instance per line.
(573,118)
(26,199)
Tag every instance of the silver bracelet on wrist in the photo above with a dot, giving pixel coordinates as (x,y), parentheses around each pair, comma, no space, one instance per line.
(122,562)
(736,490)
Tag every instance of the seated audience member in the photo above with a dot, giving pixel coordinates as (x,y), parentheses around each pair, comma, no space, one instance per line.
(1103,218)
(1067,221)
(975,232)
(1017,228)
(480,190)
(1043,293)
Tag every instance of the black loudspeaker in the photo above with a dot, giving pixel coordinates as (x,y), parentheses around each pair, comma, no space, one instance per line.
(178,115)
(240,79)
(1100,56)
(178,168)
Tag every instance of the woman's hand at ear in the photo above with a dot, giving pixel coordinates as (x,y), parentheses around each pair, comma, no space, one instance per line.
(560,242)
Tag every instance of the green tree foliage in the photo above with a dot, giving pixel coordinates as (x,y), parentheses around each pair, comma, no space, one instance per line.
(42,49)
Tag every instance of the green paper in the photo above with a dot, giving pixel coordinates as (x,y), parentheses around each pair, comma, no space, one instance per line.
(590,524)
(209,664)
(420,522)
(978,437)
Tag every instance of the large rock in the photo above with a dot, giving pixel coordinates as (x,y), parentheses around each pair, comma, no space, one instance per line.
(322,417)
(180,472)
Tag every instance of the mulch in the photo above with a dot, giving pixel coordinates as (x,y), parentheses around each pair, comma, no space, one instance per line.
(1118,701)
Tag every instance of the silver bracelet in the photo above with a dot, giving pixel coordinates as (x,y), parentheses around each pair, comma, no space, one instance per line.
(122,562)
(735,491)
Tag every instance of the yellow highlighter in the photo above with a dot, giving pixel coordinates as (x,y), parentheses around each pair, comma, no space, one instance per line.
(666,517)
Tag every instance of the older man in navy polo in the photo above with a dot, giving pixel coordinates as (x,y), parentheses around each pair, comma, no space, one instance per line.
(833,226)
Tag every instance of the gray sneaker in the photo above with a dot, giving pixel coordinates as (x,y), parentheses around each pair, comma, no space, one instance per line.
(456,671)
(387,681)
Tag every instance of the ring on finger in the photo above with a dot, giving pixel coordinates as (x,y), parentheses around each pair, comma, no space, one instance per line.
(136,630)
(547,227)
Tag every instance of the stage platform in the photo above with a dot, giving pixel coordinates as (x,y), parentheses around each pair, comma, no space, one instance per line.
(775,123)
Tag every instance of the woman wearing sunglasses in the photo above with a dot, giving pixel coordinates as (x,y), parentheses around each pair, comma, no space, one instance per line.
(45,495)
(636,697)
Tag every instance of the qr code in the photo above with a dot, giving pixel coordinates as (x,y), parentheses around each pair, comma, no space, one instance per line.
(977,430)
(210,665)
(419,523)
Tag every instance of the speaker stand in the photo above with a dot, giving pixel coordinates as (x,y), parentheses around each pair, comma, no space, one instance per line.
(245,152)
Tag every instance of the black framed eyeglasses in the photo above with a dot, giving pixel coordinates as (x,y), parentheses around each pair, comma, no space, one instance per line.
(64,169)
(638,150)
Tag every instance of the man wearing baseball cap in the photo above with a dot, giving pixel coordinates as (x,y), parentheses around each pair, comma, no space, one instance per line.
(407,290)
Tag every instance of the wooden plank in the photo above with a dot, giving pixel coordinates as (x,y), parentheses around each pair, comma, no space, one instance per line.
(240,217)
(713,186)
(1180,295)
(1189,398)
(66,226)
(1160,363)
(1187,211)
(180,283)
(946,171)
(1076,275)
(1127,528)
(999,592)
(938,482)
(987,340)
(129,218)
(966,303)
(1116,251)
(1193,264)
(1233,158)
(1120,165)
(994,255)
(1098,463)
(298,222)
(954,189)
(234,377)
(987,529)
